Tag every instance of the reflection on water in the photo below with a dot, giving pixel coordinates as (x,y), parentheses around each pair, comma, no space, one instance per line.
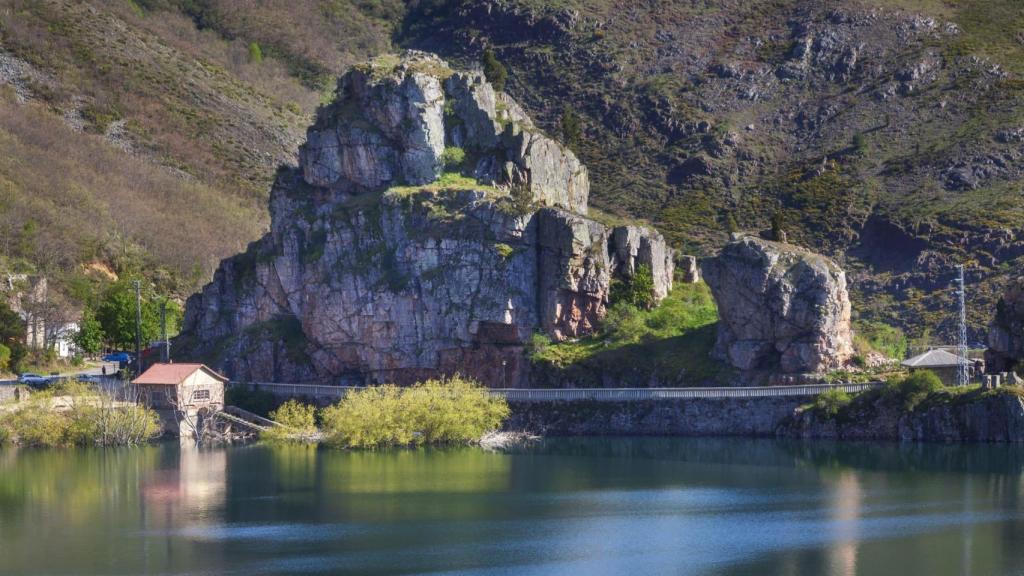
(586,506)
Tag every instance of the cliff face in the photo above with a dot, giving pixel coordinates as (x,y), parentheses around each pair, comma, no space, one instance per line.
(781,307)
(1006,331)
(393,256)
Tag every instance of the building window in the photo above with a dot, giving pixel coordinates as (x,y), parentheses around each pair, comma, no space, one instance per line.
(201,395)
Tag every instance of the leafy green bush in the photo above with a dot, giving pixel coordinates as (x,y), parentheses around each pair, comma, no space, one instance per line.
(298,422)
(830,403)
(255,53)
(572,127)
(914,388)
(82,417)
(453,157)
(5,357)
(638,291)
(494,71)
(447,411)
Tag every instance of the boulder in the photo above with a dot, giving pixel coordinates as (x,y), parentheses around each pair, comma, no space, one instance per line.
(782,308)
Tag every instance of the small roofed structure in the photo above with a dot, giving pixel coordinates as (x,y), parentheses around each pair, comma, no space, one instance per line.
(183,387)
(943,363)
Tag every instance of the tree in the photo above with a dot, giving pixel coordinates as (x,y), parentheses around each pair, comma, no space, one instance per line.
(572,127)
(731,226)
(116,315)
(89,337)
(12,335)
(255,53)
(494,71)
(778,232)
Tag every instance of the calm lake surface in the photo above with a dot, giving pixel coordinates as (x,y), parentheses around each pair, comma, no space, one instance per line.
(580,507)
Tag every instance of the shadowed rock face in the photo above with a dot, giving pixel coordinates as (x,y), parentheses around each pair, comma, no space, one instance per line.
(782,308)
(368,275)
(1006,331)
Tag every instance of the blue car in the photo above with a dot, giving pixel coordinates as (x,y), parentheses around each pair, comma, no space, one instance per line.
(122,358)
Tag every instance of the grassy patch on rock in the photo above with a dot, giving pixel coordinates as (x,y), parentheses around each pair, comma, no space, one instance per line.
(671,342)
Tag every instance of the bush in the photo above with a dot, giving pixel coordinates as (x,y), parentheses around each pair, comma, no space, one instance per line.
(446,411)
(90,419)
(572,127)
(5,357)
(911,390)
(255,53)
(830,403)
(453,157)
(298,422)
(494,71)
(638,291)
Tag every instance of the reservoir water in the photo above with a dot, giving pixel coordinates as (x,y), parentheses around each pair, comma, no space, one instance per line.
(567,506)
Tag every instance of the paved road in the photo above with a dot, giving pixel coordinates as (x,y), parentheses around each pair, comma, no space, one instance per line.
(98,370)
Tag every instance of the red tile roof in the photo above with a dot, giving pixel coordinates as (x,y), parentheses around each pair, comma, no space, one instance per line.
(173,374)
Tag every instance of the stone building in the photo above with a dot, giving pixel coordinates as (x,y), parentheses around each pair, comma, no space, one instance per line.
(944,364)
(181,387)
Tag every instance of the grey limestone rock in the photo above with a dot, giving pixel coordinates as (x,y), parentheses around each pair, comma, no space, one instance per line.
(782,307)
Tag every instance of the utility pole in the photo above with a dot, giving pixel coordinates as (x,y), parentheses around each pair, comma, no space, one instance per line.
(163,331)
(138,327)
(963,369)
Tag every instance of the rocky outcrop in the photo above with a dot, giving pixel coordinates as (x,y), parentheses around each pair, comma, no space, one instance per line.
(993,416)
(1006,331)
(378,269)
(782,308)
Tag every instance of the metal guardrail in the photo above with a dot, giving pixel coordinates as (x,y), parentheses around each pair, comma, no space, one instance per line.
(586,394)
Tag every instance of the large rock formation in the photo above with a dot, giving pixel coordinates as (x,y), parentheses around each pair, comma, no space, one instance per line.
(1006,331)
(782,307)
(385,265)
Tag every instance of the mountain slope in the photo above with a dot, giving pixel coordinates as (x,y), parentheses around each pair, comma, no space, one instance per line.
(885,133)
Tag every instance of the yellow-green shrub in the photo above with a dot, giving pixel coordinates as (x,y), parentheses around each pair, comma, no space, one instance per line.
(445,411)
(83,418)
(298,422)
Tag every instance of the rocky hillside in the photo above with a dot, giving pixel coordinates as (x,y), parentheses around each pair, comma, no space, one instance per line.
(429,228)
(886,134)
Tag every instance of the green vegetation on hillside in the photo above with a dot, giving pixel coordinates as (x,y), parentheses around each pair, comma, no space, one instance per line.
(671,342)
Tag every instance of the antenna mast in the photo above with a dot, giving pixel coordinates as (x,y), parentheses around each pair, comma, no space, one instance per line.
(963,370)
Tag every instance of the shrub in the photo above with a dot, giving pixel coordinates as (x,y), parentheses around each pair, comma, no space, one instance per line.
(5,357)
(830,403)
(298,422)
(453,157)
(255,53)
(494,71)
(572,127)
(914,388)
(90,419)
(444,411)
(638,291)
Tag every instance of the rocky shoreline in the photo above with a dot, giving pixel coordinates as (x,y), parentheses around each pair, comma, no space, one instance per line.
(995,416)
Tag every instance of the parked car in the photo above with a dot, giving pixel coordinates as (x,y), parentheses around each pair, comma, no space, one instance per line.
(34,380)
(119,357)
(90,378)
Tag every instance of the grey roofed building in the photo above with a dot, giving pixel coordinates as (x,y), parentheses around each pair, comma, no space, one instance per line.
(937,358)
(944,364)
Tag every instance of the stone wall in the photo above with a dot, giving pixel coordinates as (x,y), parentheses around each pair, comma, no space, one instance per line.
(685,417)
